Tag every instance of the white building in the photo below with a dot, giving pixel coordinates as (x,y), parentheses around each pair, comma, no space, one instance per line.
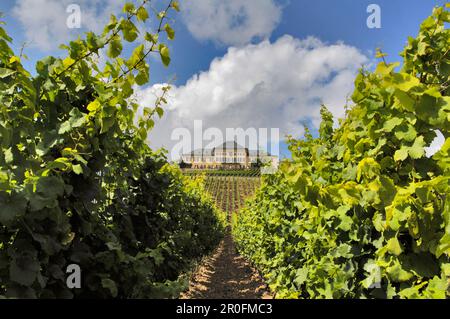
(229,155)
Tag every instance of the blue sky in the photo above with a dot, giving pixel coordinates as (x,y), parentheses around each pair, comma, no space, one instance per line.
(271,32)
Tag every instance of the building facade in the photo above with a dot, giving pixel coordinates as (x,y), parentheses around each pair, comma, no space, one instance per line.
(229,155)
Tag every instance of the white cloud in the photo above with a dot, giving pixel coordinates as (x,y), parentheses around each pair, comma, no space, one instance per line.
(268,85)
(436,145)
(231,22)
(44,21)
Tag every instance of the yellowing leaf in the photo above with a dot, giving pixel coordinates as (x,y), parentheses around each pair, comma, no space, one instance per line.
(176,5)
(385,69)
(393,246)
(14,59)
(77,169)
(67,62)
(170,32)
(93,106)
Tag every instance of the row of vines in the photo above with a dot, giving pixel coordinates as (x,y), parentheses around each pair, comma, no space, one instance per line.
(231,192)
(254,172)
(362,211)
(78,183)
(228,191)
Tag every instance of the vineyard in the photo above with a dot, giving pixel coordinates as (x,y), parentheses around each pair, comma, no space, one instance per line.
(226,274)
(79,186)
(229,189)
(241,173)
(362,211)
(230,192)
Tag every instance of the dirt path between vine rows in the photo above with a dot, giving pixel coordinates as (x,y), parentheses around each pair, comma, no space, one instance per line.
(226,275)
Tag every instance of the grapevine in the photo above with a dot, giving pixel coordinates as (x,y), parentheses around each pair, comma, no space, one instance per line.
(361,211)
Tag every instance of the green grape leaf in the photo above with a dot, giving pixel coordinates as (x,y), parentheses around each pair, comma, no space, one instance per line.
(165,54)
(9,157)
(417,150)
(128,7)
(406,132)
(142,14)
(4,73)
(160,111)
(170,32)
(24,269)
(401,154)
(115,48)
(129,30)
(111,286)
(390,124)
(12,206)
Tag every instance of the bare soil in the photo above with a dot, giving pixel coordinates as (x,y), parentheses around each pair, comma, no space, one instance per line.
(226,275)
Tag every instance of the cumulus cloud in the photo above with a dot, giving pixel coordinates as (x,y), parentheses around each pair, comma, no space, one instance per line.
(44,21)
(231,22)
(436,145)
(267,85)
